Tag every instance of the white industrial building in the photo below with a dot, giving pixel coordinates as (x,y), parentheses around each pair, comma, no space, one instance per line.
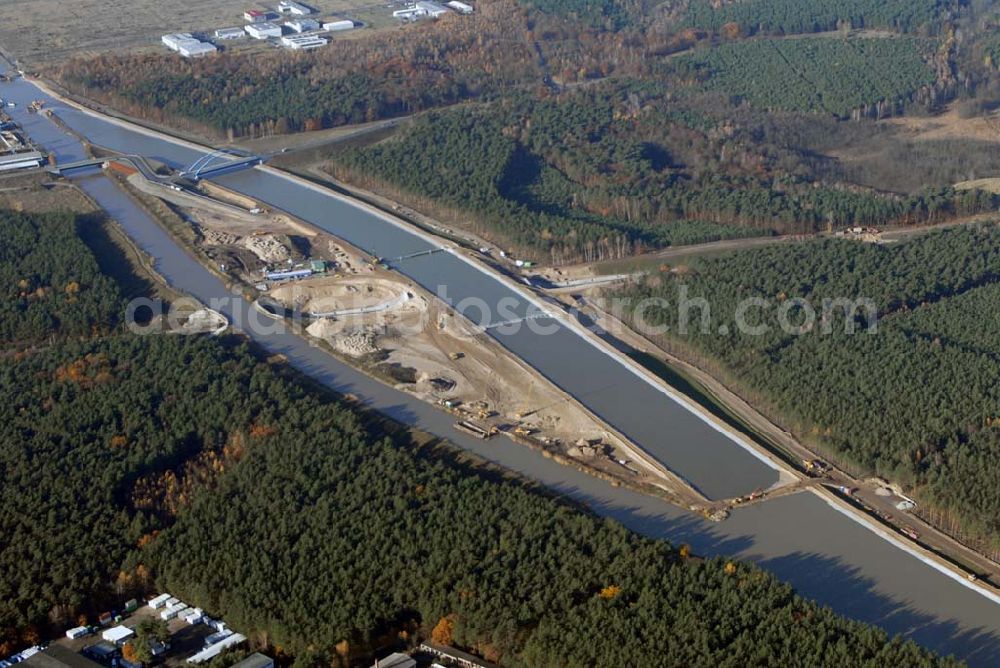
(187,45)
(396,660)
(263,30)
(24,160)
(254,16)
(459,7)
(433,9)
(255,660)
(174,40)
(303,42)
(196,49)
(333,26)
(421,9)
(216,649)
(230,33)
(118,635)
(302,25)
(292,7)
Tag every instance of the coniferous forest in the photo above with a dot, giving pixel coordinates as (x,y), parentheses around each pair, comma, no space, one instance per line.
(914,399)
(134,463)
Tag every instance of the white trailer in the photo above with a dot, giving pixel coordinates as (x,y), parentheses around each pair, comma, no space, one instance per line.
(193,617)
(78,632)
(173,611)
(159,602)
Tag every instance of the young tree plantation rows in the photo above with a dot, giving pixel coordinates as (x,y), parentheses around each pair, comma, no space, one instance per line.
(917,400)
(835,76)
(786,17)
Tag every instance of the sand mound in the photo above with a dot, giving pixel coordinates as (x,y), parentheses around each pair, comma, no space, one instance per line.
(267,247)
(354,342)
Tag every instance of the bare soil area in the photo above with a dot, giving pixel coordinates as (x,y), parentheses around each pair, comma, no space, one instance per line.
(333,293)
(950,125)
(444,355)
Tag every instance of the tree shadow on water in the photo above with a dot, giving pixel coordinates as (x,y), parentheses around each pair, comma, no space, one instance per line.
(843,588)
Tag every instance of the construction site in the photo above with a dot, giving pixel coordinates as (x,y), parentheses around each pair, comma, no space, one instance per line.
(354,306)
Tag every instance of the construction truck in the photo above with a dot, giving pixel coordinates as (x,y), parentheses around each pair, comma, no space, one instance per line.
(815,467)
(455,356)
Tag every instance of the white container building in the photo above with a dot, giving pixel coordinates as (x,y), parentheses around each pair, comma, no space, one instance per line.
(78,632)
(193,617)
(432,9)
(292,7)
(409,13)
(303,42)
(302,25)
(174,41)
(196,49)
(421,9)
(334,26)
(230,33)
(173,611)
(459,7)
(159,601)
(263,30)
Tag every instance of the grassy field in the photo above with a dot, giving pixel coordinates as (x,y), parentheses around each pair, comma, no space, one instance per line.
(38,193)
(44,31)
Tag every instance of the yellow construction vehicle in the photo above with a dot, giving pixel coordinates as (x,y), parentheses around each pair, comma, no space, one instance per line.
(455,356)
